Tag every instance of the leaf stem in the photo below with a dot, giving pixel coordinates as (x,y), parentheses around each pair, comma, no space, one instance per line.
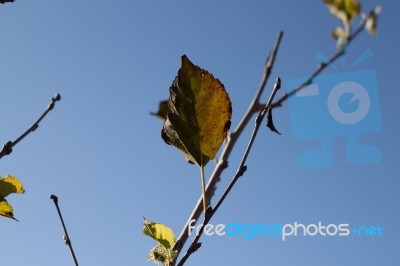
(203,187)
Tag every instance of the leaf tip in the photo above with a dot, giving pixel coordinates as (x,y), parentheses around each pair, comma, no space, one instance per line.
(184,58)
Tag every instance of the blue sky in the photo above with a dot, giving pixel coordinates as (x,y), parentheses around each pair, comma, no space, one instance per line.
(100,151)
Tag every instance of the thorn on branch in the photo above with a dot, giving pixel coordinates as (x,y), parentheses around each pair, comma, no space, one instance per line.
(212,192)
(278,83)
(242,170)
(7,148)
(258,117)
(208,214)
(195,247)
(57,97)
(54,99)
(224,163)
(54,198)
(66,240)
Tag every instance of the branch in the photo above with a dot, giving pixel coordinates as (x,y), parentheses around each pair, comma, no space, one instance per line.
(222,164)
(7,148)
(323,65)
(240,171)
(6,1)
(253,108)
(67,240)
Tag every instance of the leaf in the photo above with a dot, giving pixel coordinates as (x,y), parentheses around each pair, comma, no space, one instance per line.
(162,110)
(345,10)
(6,209)
(199,114)
(338,33)
(9,185)
(270,122)
(341,36)
(160,233)
(165,238)
(158,254)
(372,19)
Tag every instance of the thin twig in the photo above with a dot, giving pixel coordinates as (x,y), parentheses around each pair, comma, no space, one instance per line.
(323,65)
(67,240)
(7,148)
(242,168)
(231,141)
(240,171)
(6,1)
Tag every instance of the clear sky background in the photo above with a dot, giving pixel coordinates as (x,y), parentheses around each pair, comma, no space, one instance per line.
(100,151)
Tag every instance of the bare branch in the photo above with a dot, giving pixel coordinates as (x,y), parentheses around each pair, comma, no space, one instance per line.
(7,148)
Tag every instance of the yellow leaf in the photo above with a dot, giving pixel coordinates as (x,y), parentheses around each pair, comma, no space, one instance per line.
(199,113)
(9,185)
(6,209)
(160,233)
(345,10)
(352,8)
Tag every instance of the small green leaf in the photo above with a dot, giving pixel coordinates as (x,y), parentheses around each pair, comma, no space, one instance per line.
(199,114)
(160,233)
